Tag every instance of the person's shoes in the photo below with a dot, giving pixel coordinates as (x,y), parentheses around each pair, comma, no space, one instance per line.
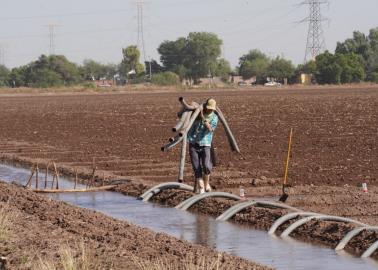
(206,180)
(201,186)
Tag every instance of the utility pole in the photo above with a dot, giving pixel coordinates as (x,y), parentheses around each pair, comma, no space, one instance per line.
(140,40)
(315,38)
(52,33)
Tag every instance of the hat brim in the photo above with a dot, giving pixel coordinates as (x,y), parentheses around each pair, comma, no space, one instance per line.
(211,108)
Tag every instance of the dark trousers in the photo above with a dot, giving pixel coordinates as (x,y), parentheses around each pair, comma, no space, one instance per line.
(200,157)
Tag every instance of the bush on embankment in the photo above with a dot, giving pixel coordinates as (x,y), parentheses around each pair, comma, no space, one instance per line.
(166,79)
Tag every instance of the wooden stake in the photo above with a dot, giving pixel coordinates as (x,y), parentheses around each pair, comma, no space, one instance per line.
(53,181)
(57,175)
(288,157)
(91,182)
(47,173)
(103,179)
(75,178)
(36,177)
(28,184)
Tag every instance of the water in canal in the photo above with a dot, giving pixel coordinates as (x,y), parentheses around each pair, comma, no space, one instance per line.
(238,240)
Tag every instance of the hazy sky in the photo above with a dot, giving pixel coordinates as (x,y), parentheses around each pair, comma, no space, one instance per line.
(95,29)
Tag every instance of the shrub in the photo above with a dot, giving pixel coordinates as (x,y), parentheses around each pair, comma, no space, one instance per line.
(166,78)
(68,261)
(374,77)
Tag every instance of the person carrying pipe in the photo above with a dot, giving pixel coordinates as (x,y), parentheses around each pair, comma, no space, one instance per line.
(200,138)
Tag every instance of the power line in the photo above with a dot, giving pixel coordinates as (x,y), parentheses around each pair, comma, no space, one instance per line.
(315,38)
(89,13)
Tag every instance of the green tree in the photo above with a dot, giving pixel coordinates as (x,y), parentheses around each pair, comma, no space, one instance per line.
(372,62)
(255,63)
(68,71)
(92,70)
(131,61)
(54,70)
(202,52)
(172,55)
(339,68)
(155,67)
(222,69)
(352,66)
(4,75)
(373,38)
(364,46)
(192,57)
(359,44)
(280,69)
(307,68)
(328,70)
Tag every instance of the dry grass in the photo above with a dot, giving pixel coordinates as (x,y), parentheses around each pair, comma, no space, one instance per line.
(190,263)
(68,261)
(5,220)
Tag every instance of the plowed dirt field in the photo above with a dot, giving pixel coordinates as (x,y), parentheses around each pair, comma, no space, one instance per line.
(335,147)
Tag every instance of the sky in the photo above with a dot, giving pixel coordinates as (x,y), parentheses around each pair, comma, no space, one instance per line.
(98,30)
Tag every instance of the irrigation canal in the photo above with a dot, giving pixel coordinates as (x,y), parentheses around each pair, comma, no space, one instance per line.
(234,239)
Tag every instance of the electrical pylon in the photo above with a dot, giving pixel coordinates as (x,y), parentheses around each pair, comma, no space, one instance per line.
(51,28)
(140,40)
(315,38)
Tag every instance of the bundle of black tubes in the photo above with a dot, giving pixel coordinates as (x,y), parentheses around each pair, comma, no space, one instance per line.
(187,115)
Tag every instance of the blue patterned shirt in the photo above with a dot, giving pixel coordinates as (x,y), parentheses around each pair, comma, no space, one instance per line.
(199,134)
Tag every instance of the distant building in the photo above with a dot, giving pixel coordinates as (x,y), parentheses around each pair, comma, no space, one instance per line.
(236,79)
(305,79)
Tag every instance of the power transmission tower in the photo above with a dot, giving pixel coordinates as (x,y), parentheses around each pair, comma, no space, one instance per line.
(315,38)
(52,33)
(140,40)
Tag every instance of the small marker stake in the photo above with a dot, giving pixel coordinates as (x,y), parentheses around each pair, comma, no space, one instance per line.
(364,187)
(242,193)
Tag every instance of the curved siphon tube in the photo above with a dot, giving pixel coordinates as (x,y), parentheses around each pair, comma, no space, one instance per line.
(182,159)
(171,144)
(302,221)
(191,121)
(243,205)
(163,186)
(181,122)
(230,136)
(352,234)
(288,217)
(187,106)
(196,198)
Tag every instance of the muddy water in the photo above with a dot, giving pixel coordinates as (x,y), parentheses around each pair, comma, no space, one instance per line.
(241,241)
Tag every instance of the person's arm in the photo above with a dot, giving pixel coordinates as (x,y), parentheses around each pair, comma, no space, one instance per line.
(208,126)
(205,122)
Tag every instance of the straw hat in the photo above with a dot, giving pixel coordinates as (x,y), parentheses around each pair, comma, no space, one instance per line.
(211,104)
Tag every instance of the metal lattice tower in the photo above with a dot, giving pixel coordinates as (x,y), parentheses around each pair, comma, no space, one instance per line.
(315,39)
(51,28)
(140,40)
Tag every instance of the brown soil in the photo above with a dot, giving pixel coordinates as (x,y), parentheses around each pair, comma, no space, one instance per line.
(41,226)
(335,147)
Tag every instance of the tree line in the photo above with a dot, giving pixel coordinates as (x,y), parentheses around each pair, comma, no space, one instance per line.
(199,55)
